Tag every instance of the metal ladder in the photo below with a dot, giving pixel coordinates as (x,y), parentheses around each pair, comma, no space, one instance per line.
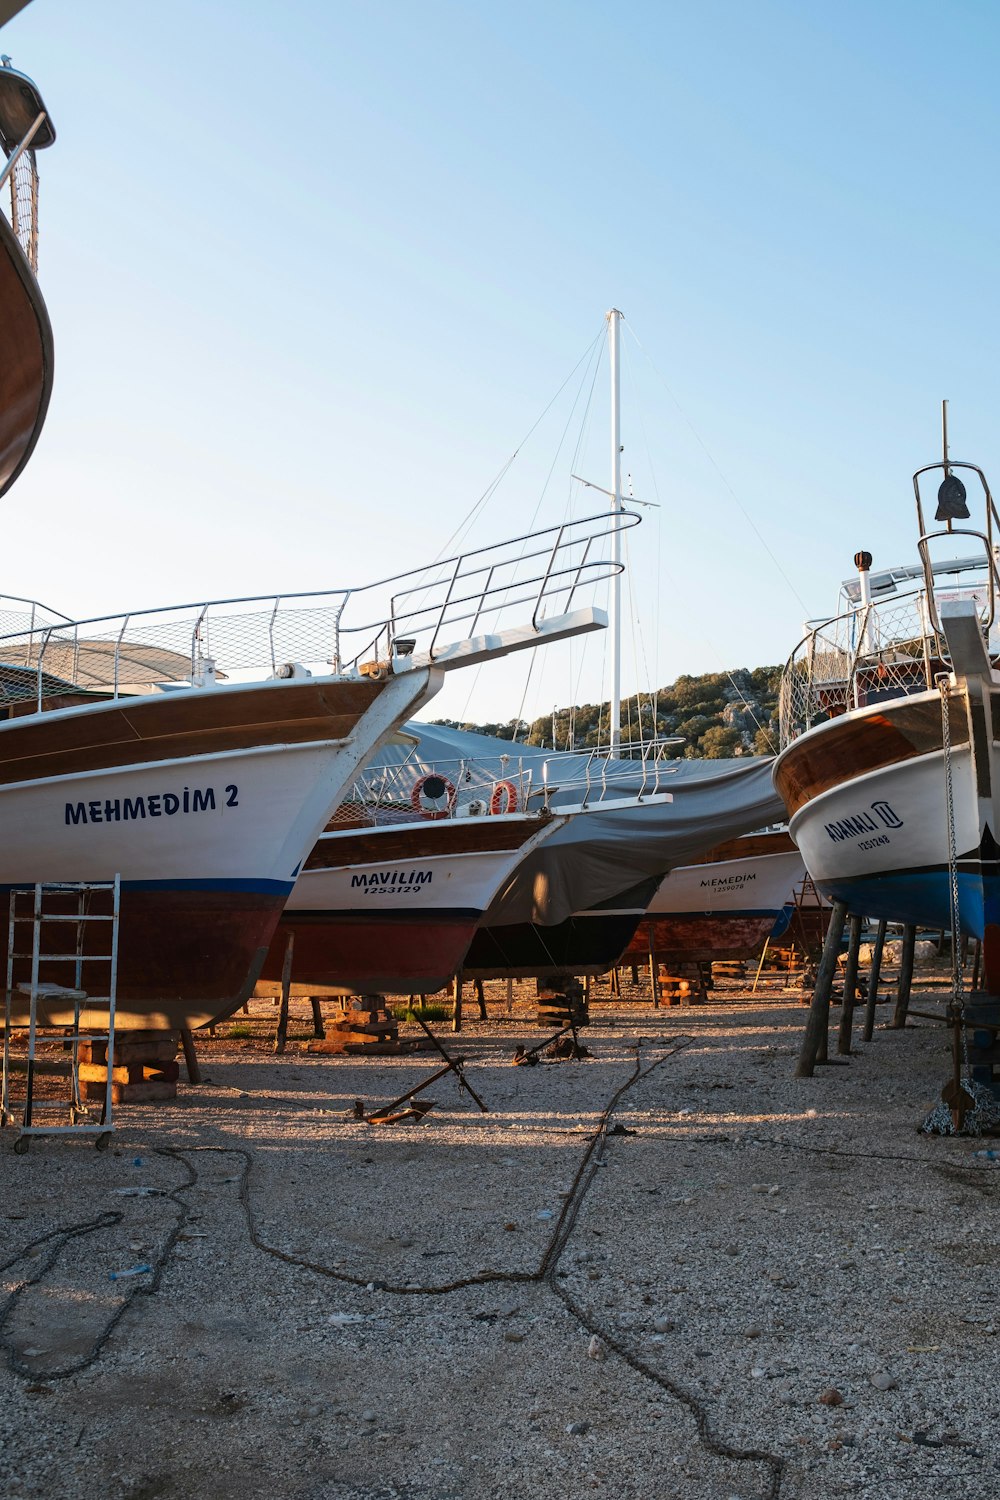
(81,895)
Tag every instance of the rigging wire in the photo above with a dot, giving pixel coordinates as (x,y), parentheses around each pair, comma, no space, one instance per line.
(654,692)
(495,483)
(742,698)
(704,447)
(593,352)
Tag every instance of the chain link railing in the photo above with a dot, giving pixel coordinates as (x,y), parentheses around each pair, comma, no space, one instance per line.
(23,183)
(878,651)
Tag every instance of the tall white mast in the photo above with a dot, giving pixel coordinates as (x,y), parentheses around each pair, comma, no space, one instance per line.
(614,321)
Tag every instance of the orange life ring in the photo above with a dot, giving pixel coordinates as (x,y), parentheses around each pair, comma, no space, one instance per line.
(435,787)
(500,791)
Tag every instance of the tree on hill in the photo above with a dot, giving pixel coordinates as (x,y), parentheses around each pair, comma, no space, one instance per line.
(718,715)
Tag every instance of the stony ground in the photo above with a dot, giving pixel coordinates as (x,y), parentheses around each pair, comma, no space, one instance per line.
(759,1287)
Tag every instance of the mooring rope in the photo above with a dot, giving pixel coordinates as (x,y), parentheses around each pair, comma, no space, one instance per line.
(148,1286)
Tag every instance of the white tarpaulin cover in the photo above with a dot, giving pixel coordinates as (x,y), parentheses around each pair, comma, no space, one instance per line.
(618,841)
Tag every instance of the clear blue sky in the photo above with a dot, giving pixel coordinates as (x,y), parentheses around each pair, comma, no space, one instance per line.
(315,268)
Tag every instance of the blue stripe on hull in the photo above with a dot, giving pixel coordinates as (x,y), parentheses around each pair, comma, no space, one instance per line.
(920,899)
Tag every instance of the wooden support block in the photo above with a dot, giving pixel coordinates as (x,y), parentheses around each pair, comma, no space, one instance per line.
(365,1028)
(131,1093)
(332,1045)
(382,1049)
(342,1036)
(130,1072)
(128,1050)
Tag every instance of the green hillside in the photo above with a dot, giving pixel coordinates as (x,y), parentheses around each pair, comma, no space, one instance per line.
(719,714)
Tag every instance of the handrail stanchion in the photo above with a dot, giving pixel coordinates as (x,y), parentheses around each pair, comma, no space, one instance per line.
(548,572)
(41,673)
(444,606)
(270,631)
(195,644)
(118,650)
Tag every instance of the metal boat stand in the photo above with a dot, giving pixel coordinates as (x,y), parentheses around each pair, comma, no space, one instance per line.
(573,1051)
(393,1114)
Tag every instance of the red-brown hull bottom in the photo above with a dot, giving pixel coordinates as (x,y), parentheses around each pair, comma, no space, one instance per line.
(185,958)
(693,939)
(354,955)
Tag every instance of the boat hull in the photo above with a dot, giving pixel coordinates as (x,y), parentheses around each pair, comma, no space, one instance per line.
(392,910)
(207,845)
(586,942)
(723,907)
(866,794)
(26,359)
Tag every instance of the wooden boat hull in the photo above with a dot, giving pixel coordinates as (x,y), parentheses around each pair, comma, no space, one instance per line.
(587,942)
(866,795)
(26,359)
(393,910)
(723,906)
(206,803)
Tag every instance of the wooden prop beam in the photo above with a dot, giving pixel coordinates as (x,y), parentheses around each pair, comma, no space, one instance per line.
(874,975)
(850,988)
(905,979)
(815,1036)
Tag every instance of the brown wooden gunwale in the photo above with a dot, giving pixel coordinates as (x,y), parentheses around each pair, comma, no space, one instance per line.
(423,840)
(854,746)
(748,846)
(176,726)
(26,359)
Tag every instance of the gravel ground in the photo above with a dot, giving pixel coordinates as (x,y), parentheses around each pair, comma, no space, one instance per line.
(757,1266)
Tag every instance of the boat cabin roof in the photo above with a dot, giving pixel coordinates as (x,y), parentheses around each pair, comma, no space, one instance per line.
(889,580)
(20,106)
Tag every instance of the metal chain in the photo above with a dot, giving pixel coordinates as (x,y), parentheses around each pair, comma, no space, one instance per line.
(957,975)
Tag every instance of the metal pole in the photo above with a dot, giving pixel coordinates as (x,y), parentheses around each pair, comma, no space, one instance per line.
(874,974)
(944,446)
(614,632)
(863,563)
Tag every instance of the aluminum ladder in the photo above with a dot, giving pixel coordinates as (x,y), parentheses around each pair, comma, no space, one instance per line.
(61,910)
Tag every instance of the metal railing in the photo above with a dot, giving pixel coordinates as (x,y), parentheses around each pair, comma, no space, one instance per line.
(415,788)
(18,163)
(333,632)
(893,647)
(881,650)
